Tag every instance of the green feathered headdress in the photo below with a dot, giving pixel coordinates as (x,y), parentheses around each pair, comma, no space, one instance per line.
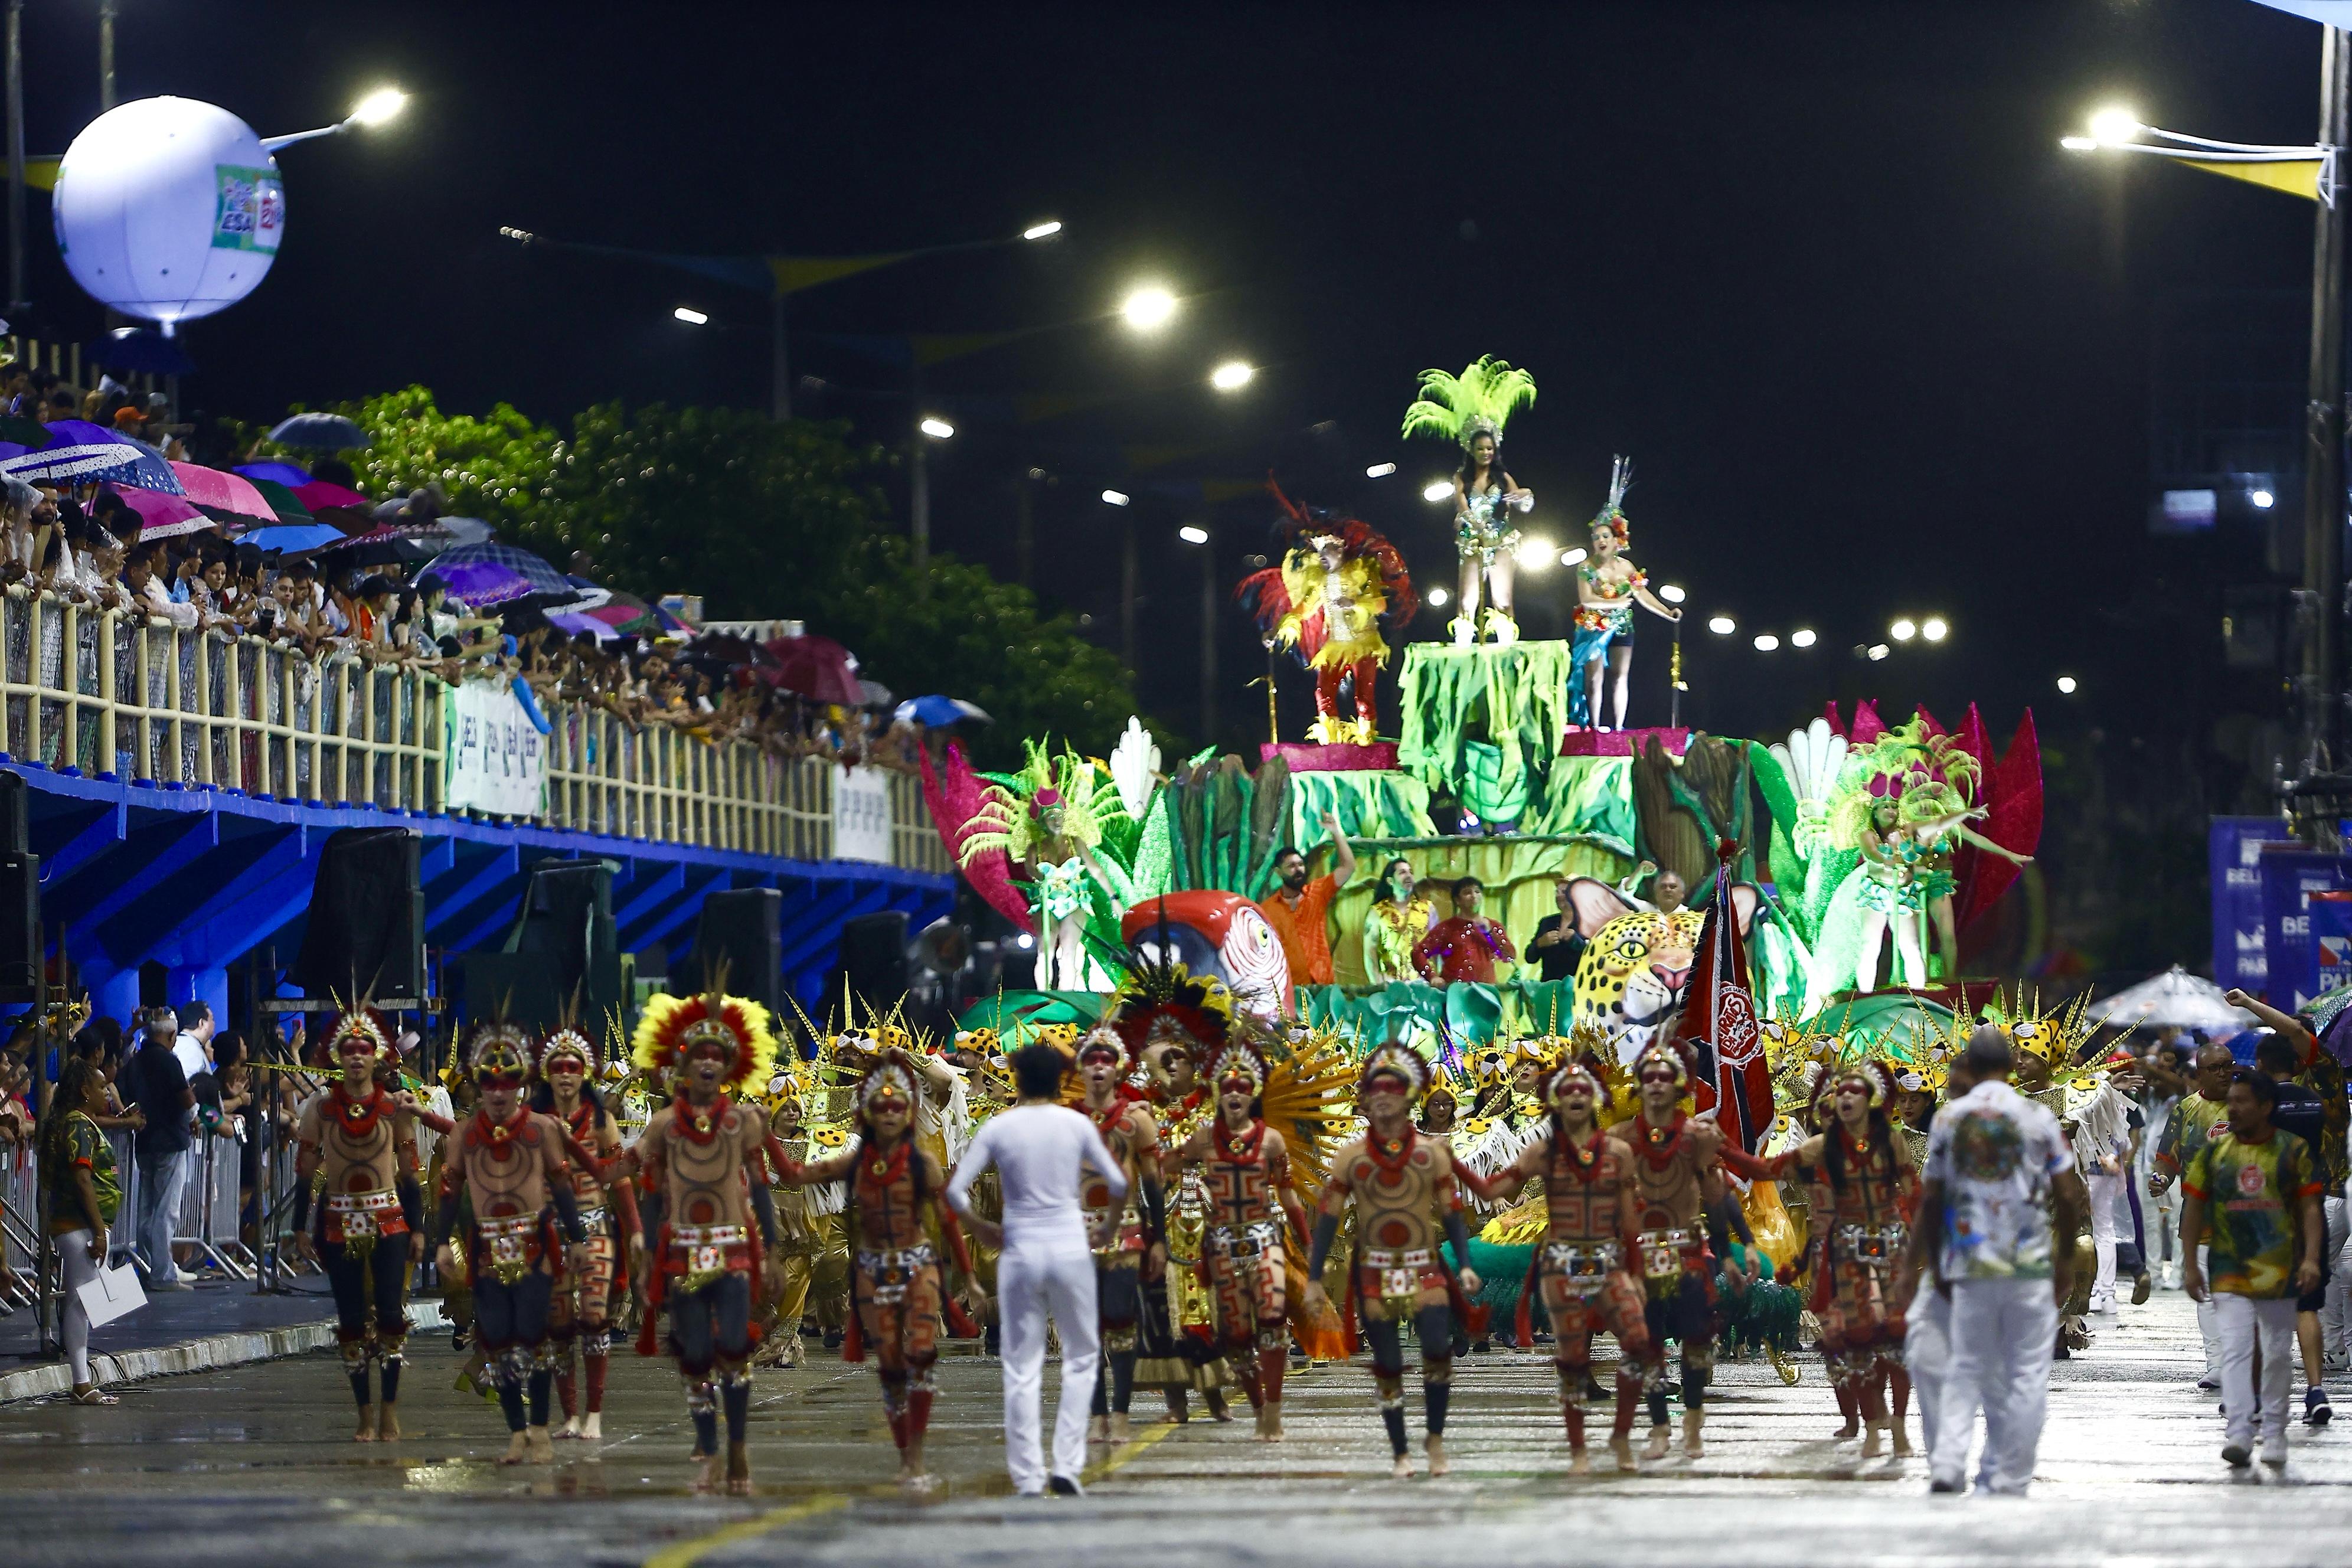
(1481,400)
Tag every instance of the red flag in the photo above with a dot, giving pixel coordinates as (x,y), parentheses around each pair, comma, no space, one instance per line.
(1719,1020)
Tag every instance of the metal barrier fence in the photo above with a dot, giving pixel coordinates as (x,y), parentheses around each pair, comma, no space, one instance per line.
(20,1210)
(120,693)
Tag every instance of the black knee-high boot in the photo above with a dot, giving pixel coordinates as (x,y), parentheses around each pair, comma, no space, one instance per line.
(1435,1398)
(736,1392)
(1122,1380)
(1392,1409)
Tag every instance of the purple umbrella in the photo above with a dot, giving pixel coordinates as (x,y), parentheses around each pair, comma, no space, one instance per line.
(77,450)
(485,575)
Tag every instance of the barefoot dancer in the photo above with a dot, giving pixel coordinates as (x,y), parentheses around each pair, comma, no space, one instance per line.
(1585,1262)
(708,1182)
(1245,1167)
(357,1145)
(1133,1254)
(584,1300)
(1403,1189)
(510,1163)
(1865,1189)
(896,1280)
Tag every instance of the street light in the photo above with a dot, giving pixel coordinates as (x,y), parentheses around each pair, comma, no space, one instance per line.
(1380,470)
(1230,376)
(1148,308)
(1672,593)
(2114,126)
(1934,629)
(2066,685)
(377,108)
(1191,535)
(691,316)
(2263,499)
(2308,170)
(1046,230)
(1765,642)
(1877,651)
(1802,638)
(1437,489)
(1903,630)
(937,428)
(1723,625)
(1115,497)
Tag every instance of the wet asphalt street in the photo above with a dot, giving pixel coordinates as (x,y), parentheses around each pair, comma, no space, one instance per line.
(255,1466)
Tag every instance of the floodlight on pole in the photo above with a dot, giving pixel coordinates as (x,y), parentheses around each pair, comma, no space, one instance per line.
(1046,230)
(937,428)
(1115,497)
(1436,598)
(1537,553)
(1672,593)
(1934,628)
(1231,375)
(1802,638)
(1903,630)
(691,316)
(1380,470)
(1722,626)
(1191,534)
(1437,489)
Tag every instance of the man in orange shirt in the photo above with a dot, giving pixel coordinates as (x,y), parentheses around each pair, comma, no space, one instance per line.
(1299,910)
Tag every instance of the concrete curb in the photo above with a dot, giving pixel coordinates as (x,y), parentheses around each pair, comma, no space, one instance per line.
(208,1355)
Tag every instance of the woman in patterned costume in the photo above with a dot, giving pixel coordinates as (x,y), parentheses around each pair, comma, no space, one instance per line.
(895,1198)
(1864,1189)
(586,1300)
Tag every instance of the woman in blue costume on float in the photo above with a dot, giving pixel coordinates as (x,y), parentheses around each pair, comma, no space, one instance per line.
(1608,587)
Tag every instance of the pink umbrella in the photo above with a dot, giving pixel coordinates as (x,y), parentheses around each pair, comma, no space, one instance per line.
(326,492)
(162,516)
(224,492)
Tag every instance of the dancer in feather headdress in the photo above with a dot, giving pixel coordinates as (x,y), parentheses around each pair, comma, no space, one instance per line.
(896,1190)
(587,1301)
(1402,1190)
(356,1145)
(1586,1263)
(705,1152)
(1339,592)
(1865,1190)
(1472,408)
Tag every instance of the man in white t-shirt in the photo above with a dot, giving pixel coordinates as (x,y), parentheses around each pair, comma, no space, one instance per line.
(1041,1149)
(1998,1165)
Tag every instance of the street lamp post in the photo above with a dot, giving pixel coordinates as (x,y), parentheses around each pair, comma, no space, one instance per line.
(1195,535)
(2321,790)
(2323,473)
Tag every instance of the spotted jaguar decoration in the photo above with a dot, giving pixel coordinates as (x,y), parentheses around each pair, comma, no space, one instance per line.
(1637,962)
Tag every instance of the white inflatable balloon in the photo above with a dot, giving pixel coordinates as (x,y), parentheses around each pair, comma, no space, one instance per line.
(168,209)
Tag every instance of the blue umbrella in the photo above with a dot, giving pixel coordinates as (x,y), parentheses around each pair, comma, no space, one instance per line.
(292,536)
(936,712)
(285,474)
(319,433)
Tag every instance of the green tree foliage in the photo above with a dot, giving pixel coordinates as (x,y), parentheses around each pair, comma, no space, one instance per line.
(764,520)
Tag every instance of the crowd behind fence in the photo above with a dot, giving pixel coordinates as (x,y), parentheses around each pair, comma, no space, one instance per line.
(110,691)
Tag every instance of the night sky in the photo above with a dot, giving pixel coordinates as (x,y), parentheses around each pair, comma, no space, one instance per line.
(1874,344)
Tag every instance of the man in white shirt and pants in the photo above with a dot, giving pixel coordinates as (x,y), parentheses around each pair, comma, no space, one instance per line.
(1997,1166)
(1041,1148)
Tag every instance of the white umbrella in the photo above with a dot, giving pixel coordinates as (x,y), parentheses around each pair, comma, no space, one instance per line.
(2175,999)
